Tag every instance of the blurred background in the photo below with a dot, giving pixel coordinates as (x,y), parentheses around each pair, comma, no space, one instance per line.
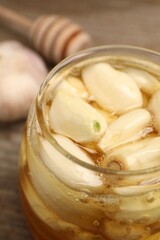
(134,22)
(128,22)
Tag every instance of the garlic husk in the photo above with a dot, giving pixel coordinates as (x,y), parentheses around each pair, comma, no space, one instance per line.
(126,128)
(145,81)
(72,117)
(135,156)
(77,84)
(113,90)
(153,107)
(65,169)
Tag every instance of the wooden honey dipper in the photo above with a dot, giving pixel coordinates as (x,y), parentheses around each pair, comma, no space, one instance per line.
(54,36)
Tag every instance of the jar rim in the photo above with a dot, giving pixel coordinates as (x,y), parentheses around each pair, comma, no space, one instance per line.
(75,58)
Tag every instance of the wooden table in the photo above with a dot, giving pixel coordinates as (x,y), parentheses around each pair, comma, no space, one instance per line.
(109,22)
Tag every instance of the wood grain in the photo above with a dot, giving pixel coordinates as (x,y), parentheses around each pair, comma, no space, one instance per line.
(109,22)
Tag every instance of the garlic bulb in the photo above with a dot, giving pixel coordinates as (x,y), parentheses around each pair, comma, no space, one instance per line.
(65,169)
(113,90)
(126,128)
(153,106)
(139,155)
(74,118)
(145,81)
(21,72)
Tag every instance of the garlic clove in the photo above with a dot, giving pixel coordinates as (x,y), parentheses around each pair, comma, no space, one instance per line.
(153,107)
(72,85)
(107,115)
(146,203)
(144,208)
(65,169)
(77,84)
(126,128)
(145,81)
(72,148)
(89,150)
(118,230)
(74,118)
(113,90)
(145,100)
(63,84)
(134,190)
(135,156)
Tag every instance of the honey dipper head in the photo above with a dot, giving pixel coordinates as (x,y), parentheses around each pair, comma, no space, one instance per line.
(57,37)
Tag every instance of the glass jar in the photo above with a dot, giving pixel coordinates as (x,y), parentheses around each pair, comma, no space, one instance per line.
(112,204)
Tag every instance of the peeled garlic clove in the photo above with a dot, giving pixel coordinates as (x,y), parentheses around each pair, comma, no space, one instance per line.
(113,90)
(64,168)
(63,84)
(153,107)
(73,85)
(89,150)
(74,118)
(144,208)
(140,155)
(78,85)
(115,230)
(107,115)
(145,100)
(151,181)
(73,148)
(21,72)
(126,128)
(145,81)
(134,190)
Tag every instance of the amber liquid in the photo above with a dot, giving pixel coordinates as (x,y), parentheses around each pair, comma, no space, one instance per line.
(43,223)
(47,225)
(36,212)
(54,211)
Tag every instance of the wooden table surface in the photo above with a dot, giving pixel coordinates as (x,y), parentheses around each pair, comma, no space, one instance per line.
(109,22)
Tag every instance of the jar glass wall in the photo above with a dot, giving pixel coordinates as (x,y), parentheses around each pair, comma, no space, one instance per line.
(65,197)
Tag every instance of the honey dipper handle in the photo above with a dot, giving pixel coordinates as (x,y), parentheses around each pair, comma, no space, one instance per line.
(14,20)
